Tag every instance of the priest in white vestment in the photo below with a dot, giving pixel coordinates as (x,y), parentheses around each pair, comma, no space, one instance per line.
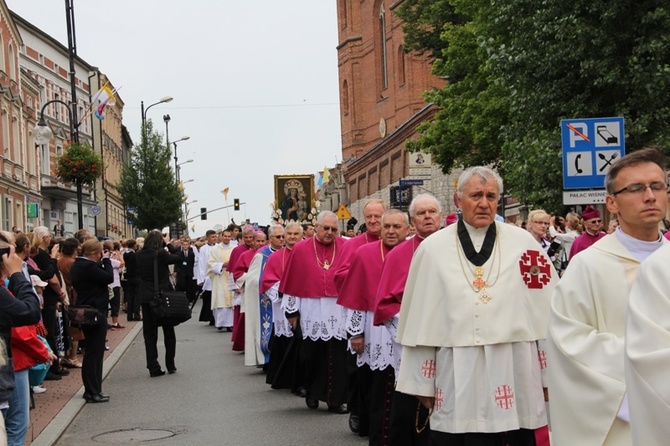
(249,283)
(648,351)
(475,307)
(222,296)
(585,342)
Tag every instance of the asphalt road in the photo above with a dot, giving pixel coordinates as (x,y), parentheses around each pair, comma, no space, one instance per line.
(213,399)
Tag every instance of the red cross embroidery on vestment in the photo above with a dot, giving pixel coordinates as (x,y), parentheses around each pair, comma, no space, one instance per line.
(439,398)
(542,356)
(504,397)
(428,369)
(535,269)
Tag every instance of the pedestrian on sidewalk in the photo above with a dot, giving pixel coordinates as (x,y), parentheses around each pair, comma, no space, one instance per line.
(91,273)
(154,251)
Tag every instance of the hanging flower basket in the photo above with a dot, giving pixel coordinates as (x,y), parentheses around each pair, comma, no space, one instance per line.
(79,163)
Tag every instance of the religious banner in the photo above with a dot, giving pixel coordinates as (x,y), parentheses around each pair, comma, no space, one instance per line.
(294,199)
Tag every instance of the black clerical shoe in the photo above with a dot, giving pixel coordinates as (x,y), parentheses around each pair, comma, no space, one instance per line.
(172,370)
(312,403)
(99,398)
(354,423)
(341,409)
(157,373)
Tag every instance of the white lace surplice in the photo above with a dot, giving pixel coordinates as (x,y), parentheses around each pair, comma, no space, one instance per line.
(321,318)
(282,328)
(378,350)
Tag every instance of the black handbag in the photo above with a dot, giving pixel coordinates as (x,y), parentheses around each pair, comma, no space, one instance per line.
(83,316)
(168,307)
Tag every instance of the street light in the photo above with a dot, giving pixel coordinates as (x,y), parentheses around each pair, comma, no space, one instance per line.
(144,113)
(176,169)
(186,207)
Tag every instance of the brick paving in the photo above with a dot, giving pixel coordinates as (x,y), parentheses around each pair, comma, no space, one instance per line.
(59,393)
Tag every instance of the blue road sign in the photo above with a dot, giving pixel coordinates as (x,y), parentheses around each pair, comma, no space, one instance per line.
(590,146)
(410,182)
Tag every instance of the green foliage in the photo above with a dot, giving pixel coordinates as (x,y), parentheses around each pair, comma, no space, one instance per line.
(79,163)
(148,185)
(518,67)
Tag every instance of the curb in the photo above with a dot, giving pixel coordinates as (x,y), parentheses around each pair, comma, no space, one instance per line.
(57,426)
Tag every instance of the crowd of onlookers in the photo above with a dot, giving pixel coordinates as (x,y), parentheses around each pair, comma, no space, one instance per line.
(40,345)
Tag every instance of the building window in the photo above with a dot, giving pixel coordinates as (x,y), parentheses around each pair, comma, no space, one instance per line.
(2,54)
(12,63)
(56,107)
(5,131)
(343,14)
(401,66)
(382,52)
(45,168)
(6,213)
(345,97)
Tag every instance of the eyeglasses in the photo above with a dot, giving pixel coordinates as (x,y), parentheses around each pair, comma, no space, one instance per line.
(329,228)
(639,188)
(542,222)
(594,221)
(277,236)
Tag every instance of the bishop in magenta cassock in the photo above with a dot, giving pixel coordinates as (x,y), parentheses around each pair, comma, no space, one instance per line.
(310,299)
(426,215)
(372,213)
(372,344)
(248,241)
(284,346)
(240,277)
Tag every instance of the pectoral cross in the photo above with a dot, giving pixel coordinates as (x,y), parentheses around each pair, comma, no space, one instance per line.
(479,281)
(326,265)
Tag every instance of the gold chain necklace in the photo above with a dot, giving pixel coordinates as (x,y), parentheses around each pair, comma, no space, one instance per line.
(479,283)
(325,264)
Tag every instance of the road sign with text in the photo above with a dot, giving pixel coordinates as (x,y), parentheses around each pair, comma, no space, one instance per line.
(590,146)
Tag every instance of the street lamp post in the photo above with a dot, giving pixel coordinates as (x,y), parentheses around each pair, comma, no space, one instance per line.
(176,166)
(144,114)
(166,119)
(43,135)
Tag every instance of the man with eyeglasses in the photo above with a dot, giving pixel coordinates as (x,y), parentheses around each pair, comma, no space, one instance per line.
(259,240)
(257,306)
(592,231)
(585,343)
(284,348)
(310,299)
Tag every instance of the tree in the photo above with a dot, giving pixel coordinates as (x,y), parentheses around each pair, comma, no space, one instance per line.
(148,184)
(516,68)
(79,165)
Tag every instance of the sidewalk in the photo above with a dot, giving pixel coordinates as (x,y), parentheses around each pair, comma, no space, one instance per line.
(55,408)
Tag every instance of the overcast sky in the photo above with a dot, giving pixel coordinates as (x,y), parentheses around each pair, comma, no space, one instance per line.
(254,84)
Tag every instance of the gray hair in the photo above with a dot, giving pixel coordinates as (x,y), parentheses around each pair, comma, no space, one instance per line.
(424,196)
(394,212)
(293,224)
(485,173)
(273,228)
(324,214)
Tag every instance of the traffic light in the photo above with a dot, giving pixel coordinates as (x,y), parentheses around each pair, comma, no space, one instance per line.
(236,204)
(203,213)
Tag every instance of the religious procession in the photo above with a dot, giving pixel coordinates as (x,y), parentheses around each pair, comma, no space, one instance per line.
(461,329)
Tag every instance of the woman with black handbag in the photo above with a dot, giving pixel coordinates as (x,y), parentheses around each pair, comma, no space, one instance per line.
(154,251)
(91,273)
